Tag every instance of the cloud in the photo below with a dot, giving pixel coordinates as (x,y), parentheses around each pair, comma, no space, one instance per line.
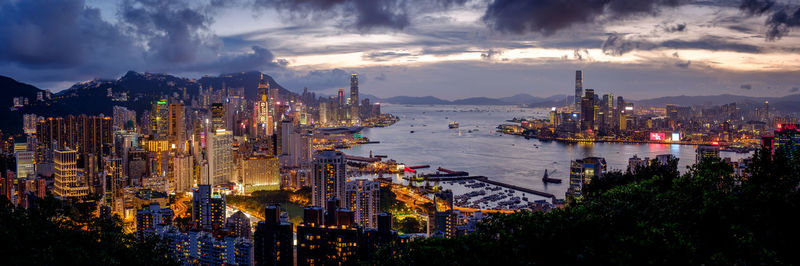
(756,7)
(549,16)
(779,23)
(746,87)
(68,40)
(318,80)
(385,56)
(794,89)
(491,54)
(683,65)
(363,15)
(42,34)
(582,55)
(674,28)
(617,44)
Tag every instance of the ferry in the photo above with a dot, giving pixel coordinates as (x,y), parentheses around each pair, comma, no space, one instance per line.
(453,124)
(547,179)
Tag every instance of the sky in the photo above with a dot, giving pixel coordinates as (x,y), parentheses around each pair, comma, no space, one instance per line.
(450,49)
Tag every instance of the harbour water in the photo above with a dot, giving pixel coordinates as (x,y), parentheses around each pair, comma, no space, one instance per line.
(505,158)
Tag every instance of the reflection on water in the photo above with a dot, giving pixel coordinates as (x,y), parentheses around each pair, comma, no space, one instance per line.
(475,147)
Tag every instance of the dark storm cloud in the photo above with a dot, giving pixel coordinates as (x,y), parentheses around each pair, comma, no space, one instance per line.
(172,30)
(756,7)
(58,34)
(779,23)
(362,14)
(549,16)
(746,87)
(66,40)
(617,44)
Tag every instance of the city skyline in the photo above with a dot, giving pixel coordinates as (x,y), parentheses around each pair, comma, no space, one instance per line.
(447,49)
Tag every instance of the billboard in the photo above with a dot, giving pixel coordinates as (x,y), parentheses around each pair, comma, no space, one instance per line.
(676,136)
(658,136)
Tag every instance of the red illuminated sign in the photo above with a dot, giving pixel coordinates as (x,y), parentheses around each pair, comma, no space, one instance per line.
(658,136)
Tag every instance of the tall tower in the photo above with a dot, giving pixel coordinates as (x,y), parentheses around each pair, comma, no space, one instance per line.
(766,112)
(587,112)
(578,89)
(354,97)
(263,89)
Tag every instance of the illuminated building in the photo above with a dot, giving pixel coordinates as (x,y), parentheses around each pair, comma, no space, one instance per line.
(329,177)
(148,218)
(578,89)
(123,118)
(159,122)
(67,184)
(217,116)
(787,137)
(220,157)
(261,173)
(354,107)
(26,163)
(706,151)
(208,211)
(85,134)
(29,123)
(581,173)
(336,242)
(177,124)
(363,198)
(295,145)
(444,218)
(587,111)
(183,179)
(273,240)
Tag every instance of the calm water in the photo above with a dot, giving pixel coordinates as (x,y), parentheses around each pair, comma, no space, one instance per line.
(505,158)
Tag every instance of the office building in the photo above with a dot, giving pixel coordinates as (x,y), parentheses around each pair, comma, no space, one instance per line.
(262,172)
(67,184)
(183,173)
(177,124)
(587,111)
(26,163)
(159,120)
(220,157)
(787,137)
(354,103)
(217,116)
(329,177)
(578,89)
(363,198)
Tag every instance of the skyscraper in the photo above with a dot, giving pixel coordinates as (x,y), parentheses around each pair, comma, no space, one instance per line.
(159,123)
(177,124)
(578,89)
(217,116)
(220,157)
(587,110)
(363,198)
(581,173)
(67,184)
(329,177)
(354,107)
